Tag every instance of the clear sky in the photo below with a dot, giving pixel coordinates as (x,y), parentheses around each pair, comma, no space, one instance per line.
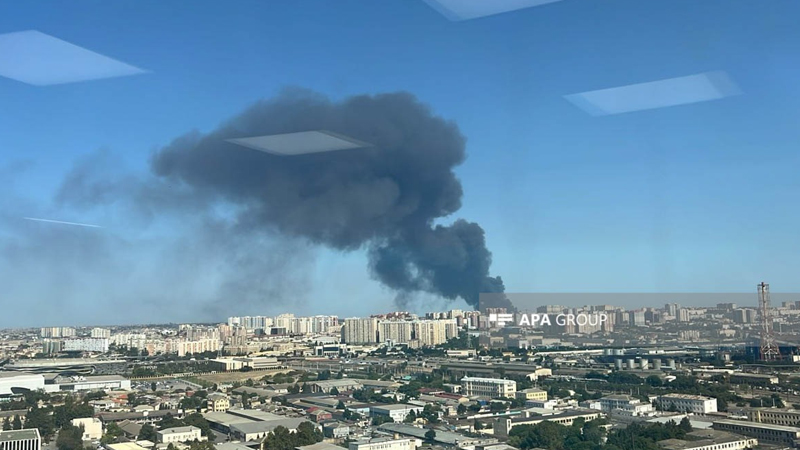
(693,198)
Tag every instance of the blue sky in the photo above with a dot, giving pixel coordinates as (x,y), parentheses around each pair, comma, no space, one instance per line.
(694,198)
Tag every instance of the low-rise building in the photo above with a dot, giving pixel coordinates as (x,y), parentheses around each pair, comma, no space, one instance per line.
(775,416)
(503,426)
(179,434)
(754,379)
(710,440)
(532,394)
(397,413)
(27,439)
(383,444)
(697,404)
(335,430)
(488,387)
(92,428)
(765,433)
(217,402)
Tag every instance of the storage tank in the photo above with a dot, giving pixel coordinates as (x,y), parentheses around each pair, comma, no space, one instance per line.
(631,364)
(657,364)
(618,363)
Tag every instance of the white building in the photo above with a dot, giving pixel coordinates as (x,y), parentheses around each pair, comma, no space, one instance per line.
(625,405)
(179,434)
(82,383)
(101,333)
(99,345)
(184,348)
(398,413)
(92,428)
(697,404)
(13,382)
(28,439)
(397,331)
(57,332)
(488,387)
(383,444)
(357,330)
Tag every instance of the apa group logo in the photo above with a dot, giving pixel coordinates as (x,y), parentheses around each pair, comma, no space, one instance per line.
(501,319)
(536,320)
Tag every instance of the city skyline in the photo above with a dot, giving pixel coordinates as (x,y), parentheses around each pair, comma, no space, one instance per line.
(655,200)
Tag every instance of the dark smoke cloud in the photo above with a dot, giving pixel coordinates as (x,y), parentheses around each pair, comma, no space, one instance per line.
(385,198)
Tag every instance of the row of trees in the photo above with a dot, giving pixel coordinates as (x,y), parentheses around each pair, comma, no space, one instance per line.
(582,435)
(282,439)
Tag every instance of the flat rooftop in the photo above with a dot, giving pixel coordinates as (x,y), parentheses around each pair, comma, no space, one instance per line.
(18,435)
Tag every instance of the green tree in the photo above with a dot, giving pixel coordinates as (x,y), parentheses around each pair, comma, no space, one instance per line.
(410,417)
(197,420)
(148,433)
(461,409)
(113,431)
(279,439)
(380,420)
(686,425)
(430,435)
(307,434)
(334,391)
(496,407)
(340,405)
(654,380)
(70,437)
(40,419)
(153,386)
(16,423)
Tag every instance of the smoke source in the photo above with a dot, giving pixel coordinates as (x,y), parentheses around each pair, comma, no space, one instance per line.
(384,198)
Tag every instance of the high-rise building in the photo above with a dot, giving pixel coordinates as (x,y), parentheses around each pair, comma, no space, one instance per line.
(99,345)
(636,318)
(57,332)
(397,331)
(359,330)
(430,332)
(101,333)
(683,315)
(672,309)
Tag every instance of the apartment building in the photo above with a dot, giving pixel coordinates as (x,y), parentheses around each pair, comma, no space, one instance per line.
(488,387)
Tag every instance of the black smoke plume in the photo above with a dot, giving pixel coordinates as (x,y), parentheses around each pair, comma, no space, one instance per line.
(385,197)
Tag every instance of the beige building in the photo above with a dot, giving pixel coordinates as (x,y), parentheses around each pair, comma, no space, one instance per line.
(92,428)
(217,402)
(532,394)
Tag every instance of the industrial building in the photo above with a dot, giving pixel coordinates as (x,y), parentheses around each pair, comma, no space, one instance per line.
(765,433)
